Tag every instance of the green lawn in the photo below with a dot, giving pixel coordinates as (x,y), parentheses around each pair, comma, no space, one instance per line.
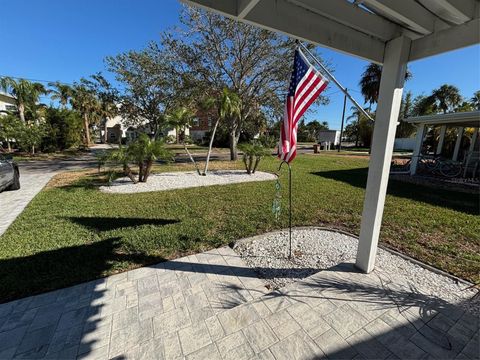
(74,233)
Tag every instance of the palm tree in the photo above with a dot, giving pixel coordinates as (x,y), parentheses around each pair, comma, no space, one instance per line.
(144,152)
(26,93)
(85,102)
(475,100)
(180,118)
(60,92)
(370,82)
(227,105)
(447,97)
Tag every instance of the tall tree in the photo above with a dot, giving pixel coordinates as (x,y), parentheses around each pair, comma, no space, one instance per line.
(228,105)
(61,92)
(26,94)
(86,103)
(475,100)
(370,82)
(148,87)
(214,52)
(405,129)
(107,95)
(446,98)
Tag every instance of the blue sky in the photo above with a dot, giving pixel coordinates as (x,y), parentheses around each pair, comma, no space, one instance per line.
(65,40)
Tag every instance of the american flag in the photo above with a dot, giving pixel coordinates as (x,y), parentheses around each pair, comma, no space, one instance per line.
(306,84)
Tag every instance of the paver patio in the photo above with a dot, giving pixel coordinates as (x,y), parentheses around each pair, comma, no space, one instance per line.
(212,306)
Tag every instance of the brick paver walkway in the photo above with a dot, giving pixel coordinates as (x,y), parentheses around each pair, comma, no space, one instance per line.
(211,306)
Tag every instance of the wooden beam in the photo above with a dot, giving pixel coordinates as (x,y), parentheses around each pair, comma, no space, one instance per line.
(295,21)
(408,12)
(453,38)
(454,11)
(298,22)
(244,7)
(353,16)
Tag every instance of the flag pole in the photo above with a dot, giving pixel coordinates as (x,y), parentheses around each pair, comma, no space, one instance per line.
(344,90)
(289,206)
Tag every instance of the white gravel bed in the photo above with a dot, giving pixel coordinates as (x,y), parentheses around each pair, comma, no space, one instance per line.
(316,249)
(182,180)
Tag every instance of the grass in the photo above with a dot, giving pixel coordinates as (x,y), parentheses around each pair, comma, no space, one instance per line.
(71,232)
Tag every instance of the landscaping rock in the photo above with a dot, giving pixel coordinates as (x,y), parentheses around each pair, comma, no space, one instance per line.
(182,180)
(316,249)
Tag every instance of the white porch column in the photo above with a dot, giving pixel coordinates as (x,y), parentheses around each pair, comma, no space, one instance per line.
(441,139)
(457,143)
(421,128)
(391,87)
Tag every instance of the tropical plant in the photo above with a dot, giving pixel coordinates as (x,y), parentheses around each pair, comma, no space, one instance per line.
(148,87)
(26,94)
(252,155)
(405,129)
(227,106)
(212,52)
(9,128)
(62,129)
(475,100)
(181,118)
(446,98)
(86,103)
(370,82)
(61,92)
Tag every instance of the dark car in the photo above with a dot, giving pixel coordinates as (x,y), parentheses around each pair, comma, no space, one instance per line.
(9,174)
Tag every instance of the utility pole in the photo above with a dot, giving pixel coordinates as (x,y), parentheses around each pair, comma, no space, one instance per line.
(343,119)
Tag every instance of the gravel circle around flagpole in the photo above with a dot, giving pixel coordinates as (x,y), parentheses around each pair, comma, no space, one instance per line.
(183,180)
(315,249)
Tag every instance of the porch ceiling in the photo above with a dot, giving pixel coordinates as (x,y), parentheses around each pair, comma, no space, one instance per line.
(362,27)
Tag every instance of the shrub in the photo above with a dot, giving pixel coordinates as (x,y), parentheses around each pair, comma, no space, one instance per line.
(142,152)
(252,154)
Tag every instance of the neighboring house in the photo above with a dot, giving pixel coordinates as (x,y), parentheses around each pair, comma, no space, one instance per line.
(201,125)
(117,130)
(7,103)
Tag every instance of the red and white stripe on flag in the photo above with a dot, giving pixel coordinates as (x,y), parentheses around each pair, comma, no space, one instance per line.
(306,84)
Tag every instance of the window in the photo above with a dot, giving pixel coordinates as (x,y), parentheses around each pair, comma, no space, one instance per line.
(210,121)
(10,108)
(196,122)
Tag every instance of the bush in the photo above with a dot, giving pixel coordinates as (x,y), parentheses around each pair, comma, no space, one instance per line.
(142,152)
(62,130)
(252,154)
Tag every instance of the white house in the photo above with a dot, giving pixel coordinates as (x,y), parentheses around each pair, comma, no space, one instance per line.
(117,129)
(7,103)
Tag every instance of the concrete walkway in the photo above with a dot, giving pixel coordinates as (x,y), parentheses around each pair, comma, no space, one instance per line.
(211,306)
(34,175)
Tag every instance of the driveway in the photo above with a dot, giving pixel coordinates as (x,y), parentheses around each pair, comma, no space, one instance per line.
(34,175)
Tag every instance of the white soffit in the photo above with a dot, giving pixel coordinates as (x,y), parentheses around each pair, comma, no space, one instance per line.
(362,27)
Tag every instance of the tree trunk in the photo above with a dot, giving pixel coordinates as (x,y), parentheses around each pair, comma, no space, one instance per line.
(128,172)
(105,133)
(140,171)
(9,146)
(21,111)
(86,128)
(177,134)
(147,171)
(210,147)
(233,146)
(257,161)
(33,149)
(191,158)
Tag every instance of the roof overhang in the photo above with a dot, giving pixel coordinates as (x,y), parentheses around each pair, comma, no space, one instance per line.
(362,27)
(465,119)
